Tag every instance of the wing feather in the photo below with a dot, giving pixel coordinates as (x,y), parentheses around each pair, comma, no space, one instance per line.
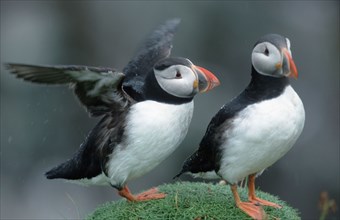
(98,88)
(156,47)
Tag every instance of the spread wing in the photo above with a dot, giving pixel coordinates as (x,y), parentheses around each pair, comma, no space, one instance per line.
(98,89)
(156,47)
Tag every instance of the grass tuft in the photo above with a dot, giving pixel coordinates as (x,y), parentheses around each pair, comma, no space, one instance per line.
(190,200)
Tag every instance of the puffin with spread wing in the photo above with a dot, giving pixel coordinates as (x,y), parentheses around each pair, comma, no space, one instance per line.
(145,112)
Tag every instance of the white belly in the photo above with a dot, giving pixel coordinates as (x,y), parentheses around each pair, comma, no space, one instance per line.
(262,134)
(154,130)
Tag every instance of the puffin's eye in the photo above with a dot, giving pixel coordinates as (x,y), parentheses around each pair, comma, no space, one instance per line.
(178,75)
(266,52)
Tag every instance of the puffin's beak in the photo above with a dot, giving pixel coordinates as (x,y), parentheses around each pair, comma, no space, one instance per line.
(206,80)
(291,69)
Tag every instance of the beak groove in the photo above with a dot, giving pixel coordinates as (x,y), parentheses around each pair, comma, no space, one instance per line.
(206,79)
(292,67)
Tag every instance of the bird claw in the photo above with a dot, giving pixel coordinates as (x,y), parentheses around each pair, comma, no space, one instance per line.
(258,201)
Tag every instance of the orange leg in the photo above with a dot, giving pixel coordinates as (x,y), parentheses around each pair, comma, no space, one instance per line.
(144,196)
(252,197)
(254,211)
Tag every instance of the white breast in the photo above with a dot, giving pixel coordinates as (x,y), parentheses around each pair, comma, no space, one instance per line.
(261,134)
(154,130)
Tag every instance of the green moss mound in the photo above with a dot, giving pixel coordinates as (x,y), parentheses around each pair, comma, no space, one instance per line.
(190,200)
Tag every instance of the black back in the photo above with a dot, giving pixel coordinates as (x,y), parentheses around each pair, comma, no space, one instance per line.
(276,39)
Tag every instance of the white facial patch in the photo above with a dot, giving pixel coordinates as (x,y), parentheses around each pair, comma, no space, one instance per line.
(265,58)
(179,86)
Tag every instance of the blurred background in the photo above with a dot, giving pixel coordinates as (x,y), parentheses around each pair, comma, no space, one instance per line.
(42,126)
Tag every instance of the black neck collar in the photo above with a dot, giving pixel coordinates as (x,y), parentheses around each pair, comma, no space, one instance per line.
(263,87)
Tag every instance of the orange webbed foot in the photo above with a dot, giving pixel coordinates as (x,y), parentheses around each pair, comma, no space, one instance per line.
(150,194)
(254,211)
(251,209)
(252,197)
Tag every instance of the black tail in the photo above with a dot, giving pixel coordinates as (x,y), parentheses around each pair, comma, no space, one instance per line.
(66,170)
(82,165)
(196,163)
(87,161)
(188,165)
(180,173)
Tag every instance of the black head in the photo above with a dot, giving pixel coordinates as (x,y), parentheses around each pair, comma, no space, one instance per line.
(166,63)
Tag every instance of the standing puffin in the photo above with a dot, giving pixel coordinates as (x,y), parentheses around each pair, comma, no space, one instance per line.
(256,128)
(145,112)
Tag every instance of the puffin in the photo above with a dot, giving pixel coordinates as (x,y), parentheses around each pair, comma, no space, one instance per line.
(145,111)
(254,129)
